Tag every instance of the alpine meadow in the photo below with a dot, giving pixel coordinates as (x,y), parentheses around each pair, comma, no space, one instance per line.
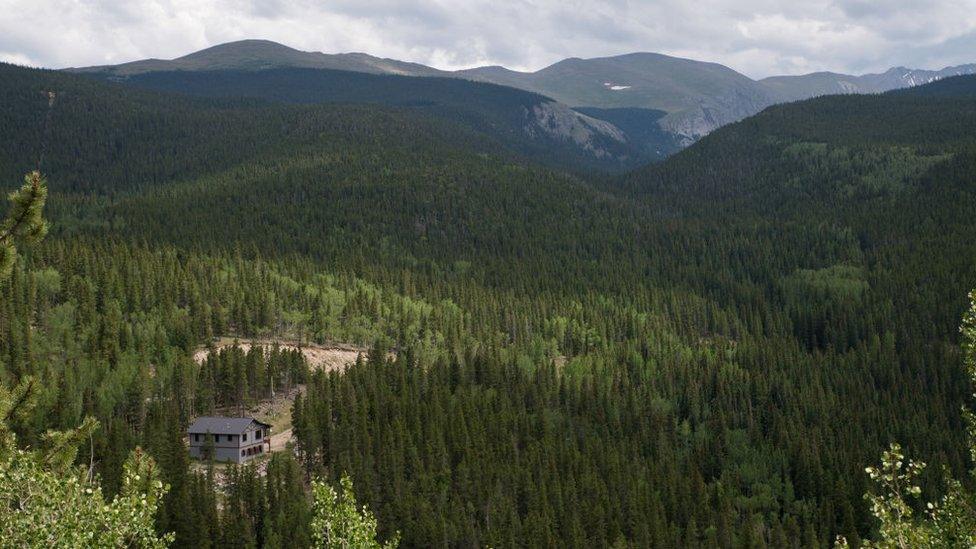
(263,297)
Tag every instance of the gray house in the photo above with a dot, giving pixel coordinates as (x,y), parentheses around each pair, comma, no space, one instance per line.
(236,439)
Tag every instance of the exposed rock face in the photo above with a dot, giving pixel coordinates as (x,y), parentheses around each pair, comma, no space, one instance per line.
(560,122)
(732,106)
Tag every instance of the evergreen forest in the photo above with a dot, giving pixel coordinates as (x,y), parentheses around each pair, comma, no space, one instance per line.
(703,351)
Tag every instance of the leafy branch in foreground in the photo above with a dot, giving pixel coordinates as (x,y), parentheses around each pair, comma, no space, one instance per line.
(338,522)
(951,522)
(24,221)
(47,501)
(40,507)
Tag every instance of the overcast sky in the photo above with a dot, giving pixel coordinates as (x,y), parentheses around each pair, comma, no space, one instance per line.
(757,37)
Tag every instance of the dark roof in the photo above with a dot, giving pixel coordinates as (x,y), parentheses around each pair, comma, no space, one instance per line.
(223,425)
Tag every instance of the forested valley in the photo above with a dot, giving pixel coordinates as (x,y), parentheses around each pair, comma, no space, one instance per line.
(705,351)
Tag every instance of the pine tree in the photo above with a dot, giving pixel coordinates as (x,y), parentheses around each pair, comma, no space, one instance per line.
(23,221)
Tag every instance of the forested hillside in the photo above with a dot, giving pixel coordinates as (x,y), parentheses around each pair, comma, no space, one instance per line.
(704,352)
(957,86)
(97,138)
(533,125)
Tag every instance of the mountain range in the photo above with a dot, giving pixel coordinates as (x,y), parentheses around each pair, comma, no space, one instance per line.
(696,97)
(705,351)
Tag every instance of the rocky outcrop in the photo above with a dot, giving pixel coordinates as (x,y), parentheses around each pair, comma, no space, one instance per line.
(560,122)
(692,124)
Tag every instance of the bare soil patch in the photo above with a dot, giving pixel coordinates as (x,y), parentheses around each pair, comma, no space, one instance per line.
(320,357)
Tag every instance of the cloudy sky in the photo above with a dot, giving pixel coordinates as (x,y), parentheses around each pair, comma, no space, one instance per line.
(757,37)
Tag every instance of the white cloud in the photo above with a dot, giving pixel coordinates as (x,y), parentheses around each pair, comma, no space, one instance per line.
(758,37)
(16,58)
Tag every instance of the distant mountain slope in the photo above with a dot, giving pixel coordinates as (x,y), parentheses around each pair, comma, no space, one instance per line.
(791,88)
(696,96)
(823,155)
(528,124)
(642,128)
(632,80)
(102,138)
(264,54)
(955,86)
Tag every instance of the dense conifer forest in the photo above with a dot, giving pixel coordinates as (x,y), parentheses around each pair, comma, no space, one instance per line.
(707,351)
(498,112)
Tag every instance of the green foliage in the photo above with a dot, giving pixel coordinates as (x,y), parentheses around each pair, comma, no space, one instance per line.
(41,507)
(840,282)
(862,172)
(949,523)
(338,522)
(23,221)
(897,480)
(45,500)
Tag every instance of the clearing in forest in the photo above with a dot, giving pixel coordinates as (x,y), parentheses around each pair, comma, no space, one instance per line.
(277,411)
(320,357)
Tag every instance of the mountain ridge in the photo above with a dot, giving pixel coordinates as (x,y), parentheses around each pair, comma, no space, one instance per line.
(832,83)
(257,54)
(698,96)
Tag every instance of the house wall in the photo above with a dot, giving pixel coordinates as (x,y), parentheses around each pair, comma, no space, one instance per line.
(228,447)
(251,431)
(220,454)
(235,442)
(229,451)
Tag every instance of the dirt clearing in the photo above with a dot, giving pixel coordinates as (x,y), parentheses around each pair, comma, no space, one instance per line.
(320,357)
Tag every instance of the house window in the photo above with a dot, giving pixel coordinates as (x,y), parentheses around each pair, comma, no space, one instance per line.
(257,434)
(242,453)
(244,437)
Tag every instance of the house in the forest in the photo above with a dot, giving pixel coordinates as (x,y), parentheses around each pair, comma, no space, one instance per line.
(236,439)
